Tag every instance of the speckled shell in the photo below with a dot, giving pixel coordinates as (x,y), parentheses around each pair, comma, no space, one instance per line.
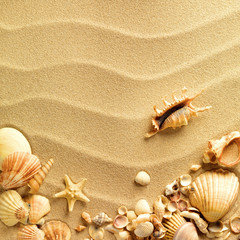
(214,192)
(39,207)
(18,168)
(56,230)
(101,219)
(11,140)
(12,208)
(30,232)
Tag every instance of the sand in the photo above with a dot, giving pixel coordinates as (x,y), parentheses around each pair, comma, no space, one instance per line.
(80,78)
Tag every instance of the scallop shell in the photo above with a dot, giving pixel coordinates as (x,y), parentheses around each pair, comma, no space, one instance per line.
(38,178)
(101,219)
(120,221)
(86,216)
(56,230)
(11,140)
(179,229)
(144,229)
(18,168)
(142,207)
(39,207)
(97,233)
(12,208)
(142,178)
(235,225)
(214,193)
(30,232)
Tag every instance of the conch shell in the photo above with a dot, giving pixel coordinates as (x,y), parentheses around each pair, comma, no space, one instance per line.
(175,114)
(30,232)
(13,209)
(101,219)
(11,140)
(214,192)
(216,148)
(18,168)
(38,178)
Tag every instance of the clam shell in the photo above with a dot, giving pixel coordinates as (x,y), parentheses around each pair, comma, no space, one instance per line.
(122,210)
(18,168)
(120,221)
(235,224)
(112,229)
(30,232)
(185,180)
(12,208)
(214,193)
(39,207)
(124,235)
(101,219)
(142,207)
(56,230)
(11,140)
(144,229)
(142,178)
(97,233)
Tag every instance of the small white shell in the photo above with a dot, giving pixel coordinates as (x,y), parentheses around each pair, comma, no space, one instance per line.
(142,207)
(185,180)
(144,229)
(122,210)
(97,233)
(131,215)
(143,218)
(171,188)
(124,235)
(142,178)
(195,168)
(120,221)
(112,229)
(235,224)
(216,226)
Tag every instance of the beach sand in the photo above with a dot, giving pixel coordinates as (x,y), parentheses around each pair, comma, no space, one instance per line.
(80,79)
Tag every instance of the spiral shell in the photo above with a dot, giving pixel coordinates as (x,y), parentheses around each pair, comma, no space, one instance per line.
(101,219)
(56,230)
(39,207)
(30,232)
(12,208)
(11,140)
(18,168)
(214,192)
(38,178)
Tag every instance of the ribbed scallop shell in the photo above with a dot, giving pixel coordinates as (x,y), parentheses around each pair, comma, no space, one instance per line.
(179,229)
(18,168)
(39,207)
(30,232)
(11,140)
(56,230)
(12,208)
(214,192)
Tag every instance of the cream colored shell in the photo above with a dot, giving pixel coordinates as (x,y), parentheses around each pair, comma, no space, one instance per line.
(120,221)
(101,219)
(142,207)
(11,140)
(96,233)
(142,178)
(30,232)
(214,192)
(144,229)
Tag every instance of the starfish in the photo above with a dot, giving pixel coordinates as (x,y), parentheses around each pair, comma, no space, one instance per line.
(73,192)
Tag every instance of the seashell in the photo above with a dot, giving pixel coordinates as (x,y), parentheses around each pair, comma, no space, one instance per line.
(142,207)
(172,206)
(171,188)
(159,206)
(39,207)
(167,214)
(86,216)
(156,222)
(12,208)
(132,225)
(131,215)
(185,190)
(80,228)
(216,148)
(235,224)
(123,235)
(120,221)
(97,233)
(144,229)
(122,210)
(112,229)
(175,196)
(174,114)
(38,178)
(142,178)
(185,180)
(30,232)
(158,234)
(143,218)
(214,193)
(11,140)
(55,230)
(216,227)
(195,168)
(178,229)
(18,168)
(182,205)
(101,219)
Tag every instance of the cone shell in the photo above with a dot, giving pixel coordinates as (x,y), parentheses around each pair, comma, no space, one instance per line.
(18,168)
(101,219)
(11,140)
(12,208)
(56,230)
(30,232)
(39,207)
(38,178)
(214,192)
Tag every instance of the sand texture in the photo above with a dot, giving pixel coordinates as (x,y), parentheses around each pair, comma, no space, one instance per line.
(80,78)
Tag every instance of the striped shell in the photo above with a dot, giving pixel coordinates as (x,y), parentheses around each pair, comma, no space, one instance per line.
(18,168)
(179,229)
(12,208)
(39,207)
(175,114)
(101,219)
(56,230)
(214,192)
(11,140)
(30,232)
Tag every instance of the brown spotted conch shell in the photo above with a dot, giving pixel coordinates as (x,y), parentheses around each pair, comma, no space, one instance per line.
(214,192)
(30,232)
(18,168)
(179,229)
(216,148)
(175,114)
(38,178)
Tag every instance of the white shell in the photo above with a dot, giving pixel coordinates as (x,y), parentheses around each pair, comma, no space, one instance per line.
(195,167)
(112,229)
(171,188)
(144,229)
(142,178)
(143,218)
(30,232)
(142,207)
(122,210)
(185,180)
(97,233)
(131,215)
(124,235)
(11,140)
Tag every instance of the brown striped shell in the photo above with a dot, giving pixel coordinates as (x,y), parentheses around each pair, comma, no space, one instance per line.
(18,168)
(30,232)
